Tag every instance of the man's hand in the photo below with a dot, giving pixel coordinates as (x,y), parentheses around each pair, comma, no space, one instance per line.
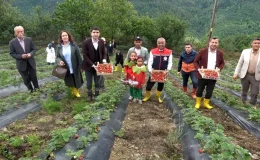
(235,76)
(95,67)
(24,56)
(178,73)
(29,55)
(62,63)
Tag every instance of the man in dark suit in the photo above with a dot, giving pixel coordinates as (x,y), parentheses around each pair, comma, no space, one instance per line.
(22,49)
(93,50)
(208,58)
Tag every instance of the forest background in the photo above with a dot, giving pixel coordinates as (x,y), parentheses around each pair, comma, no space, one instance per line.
(178,21)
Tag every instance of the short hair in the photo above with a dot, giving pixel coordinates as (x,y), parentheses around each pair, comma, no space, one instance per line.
(256,39)
(188,44)
(71,39)
(94,28)
(161,38)
(15,28)
(213,38)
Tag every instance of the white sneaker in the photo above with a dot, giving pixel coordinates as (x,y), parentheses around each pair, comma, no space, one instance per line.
(140,101)
(130,98)
(135,100)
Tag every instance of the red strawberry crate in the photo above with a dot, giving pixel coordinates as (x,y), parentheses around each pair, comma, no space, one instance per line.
(209,74)
(158,76)
(105,69)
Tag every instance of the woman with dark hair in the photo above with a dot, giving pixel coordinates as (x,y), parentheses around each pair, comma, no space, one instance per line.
(68,55)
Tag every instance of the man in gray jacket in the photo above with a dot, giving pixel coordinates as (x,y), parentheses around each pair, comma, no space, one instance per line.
(22,49)
(141,51)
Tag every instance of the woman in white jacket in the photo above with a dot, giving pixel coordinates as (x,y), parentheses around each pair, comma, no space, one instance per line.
(50,55)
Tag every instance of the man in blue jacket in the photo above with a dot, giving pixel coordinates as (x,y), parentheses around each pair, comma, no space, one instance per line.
(187,68)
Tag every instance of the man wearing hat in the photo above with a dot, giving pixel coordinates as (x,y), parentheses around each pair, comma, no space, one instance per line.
(139,49)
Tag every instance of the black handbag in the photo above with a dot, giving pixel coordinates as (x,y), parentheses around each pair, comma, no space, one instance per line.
(59,71)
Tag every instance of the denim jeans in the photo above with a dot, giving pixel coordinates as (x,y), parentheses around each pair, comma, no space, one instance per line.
(89,77)
(185,77)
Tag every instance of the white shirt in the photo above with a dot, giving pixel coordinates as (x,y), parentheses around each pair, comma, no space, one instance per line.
(212,59)
(95,43)
(138,51)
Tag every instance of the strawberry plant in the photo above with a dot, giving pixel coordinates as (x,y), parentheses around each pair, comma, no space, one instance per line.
(74,154)
(16,141)
(210,135)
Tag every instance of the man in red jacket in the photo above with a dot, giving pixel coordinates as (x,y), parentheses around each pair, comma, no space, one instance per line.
(208,58)
(160,59)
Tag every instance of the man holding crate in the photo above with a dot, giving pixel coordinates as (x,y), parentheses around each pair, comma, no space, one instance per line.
(210,58)
(93,50)
(160,59)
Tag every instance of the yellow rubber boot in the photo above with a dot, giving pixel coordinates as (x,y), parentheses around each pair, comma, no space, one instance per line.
(76,92)
(198,100)
(206,104)
(158,94)
(72,90)
(147,96)
(123,70)
(116,68)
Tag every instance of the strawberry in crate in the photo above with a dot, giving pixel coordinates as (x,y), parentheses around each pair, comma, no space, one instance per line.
(158,76)
(104,69)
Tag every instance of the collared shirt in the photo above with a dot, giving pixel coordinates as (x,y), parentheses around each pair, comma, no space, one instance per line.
(95,43)
(21,41)
(66,51)
(212,59)
(253,61)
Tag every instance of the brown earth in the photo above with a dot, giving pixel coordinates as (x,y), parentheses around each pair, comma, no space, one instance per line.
(240,136)
(146,128)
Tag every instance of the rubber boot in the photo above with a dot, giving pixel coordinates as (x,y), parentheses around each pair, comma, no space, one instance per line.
(198,101)
(193,93)
(72,91)
(158,94)
(147,96)
(116,68)
(206,104)
(76,91)
(185,89)
(89,97)
(123,70)
(96,95)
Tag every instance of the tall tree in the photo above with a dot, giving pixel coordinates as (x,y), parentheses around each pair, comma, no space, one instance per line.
(113,15)
(172,29)
(10,17)
(75,15)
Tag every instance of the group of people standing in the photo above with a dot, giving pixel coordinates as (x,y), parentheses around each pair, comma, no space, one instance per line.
(137,60)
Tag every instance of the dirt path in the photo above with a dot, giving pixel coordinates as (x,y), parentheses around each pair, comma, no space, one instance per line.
(146,128)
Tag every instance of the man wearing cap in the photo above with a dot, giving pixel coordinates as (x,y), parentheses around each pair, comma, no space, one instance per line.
(140,50)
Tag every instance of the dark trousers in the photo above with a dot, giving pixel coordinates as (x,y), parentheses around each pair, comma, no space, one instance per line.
(29,77)
(209,84)
(247,82)
(185,77)
(102,82)
(121,62)
(90,75)
(149,85)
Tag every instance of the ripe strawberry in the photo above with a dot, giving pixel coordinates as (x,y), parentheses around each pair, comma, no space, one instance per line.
(200,151)
(76,136)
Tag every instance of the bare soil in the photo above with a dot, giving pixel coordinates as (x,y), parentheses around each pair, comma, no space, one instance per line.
(146,128)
